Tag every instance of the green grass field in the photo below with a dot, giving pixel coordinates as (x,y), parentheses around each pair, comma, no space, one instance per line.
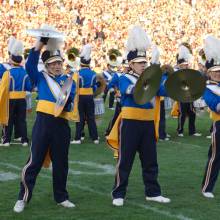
(91,177)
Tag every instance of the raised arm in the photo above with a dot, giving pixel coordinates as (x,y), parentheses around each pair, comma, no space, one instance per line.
(32,62)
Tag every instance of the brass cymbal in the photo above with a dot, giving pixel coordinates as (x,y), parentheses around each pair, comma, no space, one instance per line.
(63,96)
(44,33)
(185,85)
(147,84)
(100,79)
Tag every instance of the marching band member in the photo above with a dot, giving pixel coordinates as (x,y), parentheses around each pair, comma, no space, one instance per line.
(114,83)
(212,99)
(19,84)
(113,60)
(3,68)
(185,109)
(49,133)
(72,68)
(137,128)
(87,86)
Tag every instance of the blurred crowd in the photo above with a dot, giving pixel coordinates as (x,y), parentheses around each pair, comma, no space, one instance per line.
(105,23)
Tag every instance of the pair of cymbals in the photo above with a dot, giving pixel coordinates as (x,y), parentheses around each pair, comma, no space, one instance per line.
(185,85)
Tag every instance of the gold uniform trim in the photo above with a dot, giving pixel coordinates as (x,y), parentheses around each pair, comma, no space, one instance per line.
(4,98)
(85,91)
(48,108)
(138,114)
(214,116)
(17,95)
(113,139)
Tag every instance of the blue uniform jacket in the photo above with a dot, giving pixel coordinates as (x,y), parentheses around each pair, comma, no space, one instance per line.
(20,81)
(87,78)
(211,99)
(114,82)
(44,92)
(108,75)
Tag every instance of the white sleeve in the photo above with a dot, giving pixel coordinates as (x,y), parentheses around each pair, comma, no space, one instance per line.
(130,89)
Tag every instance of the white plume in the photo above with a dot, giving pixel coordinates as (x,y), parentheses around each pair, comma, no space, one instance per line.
(54,44)
(212,49)
(138,40)
(184,53)
(11,41)
(124,57)
(17,49)
(201,61)
(86,52)
(155,57)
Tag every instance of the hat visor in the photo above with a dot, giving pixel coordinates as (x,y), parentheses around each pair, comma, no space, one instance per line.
(54,59)
(214,69)
(183,63)
(15,63)
(139,60)
(84,64)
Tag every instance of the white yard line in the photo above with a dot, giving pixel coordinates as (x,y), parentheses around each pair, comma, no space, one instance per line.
(88,189)
(179,143)
(106,169)
(6,176)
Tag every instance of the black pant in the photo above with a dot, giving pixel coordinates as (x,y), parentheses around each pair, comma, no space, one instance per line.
(17,112)
(83,132)
(115,116)
(16,127)
(137,136)
(53,134)
(213,163)
(86,111)
(162,124)
(186,109)
(105,93)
